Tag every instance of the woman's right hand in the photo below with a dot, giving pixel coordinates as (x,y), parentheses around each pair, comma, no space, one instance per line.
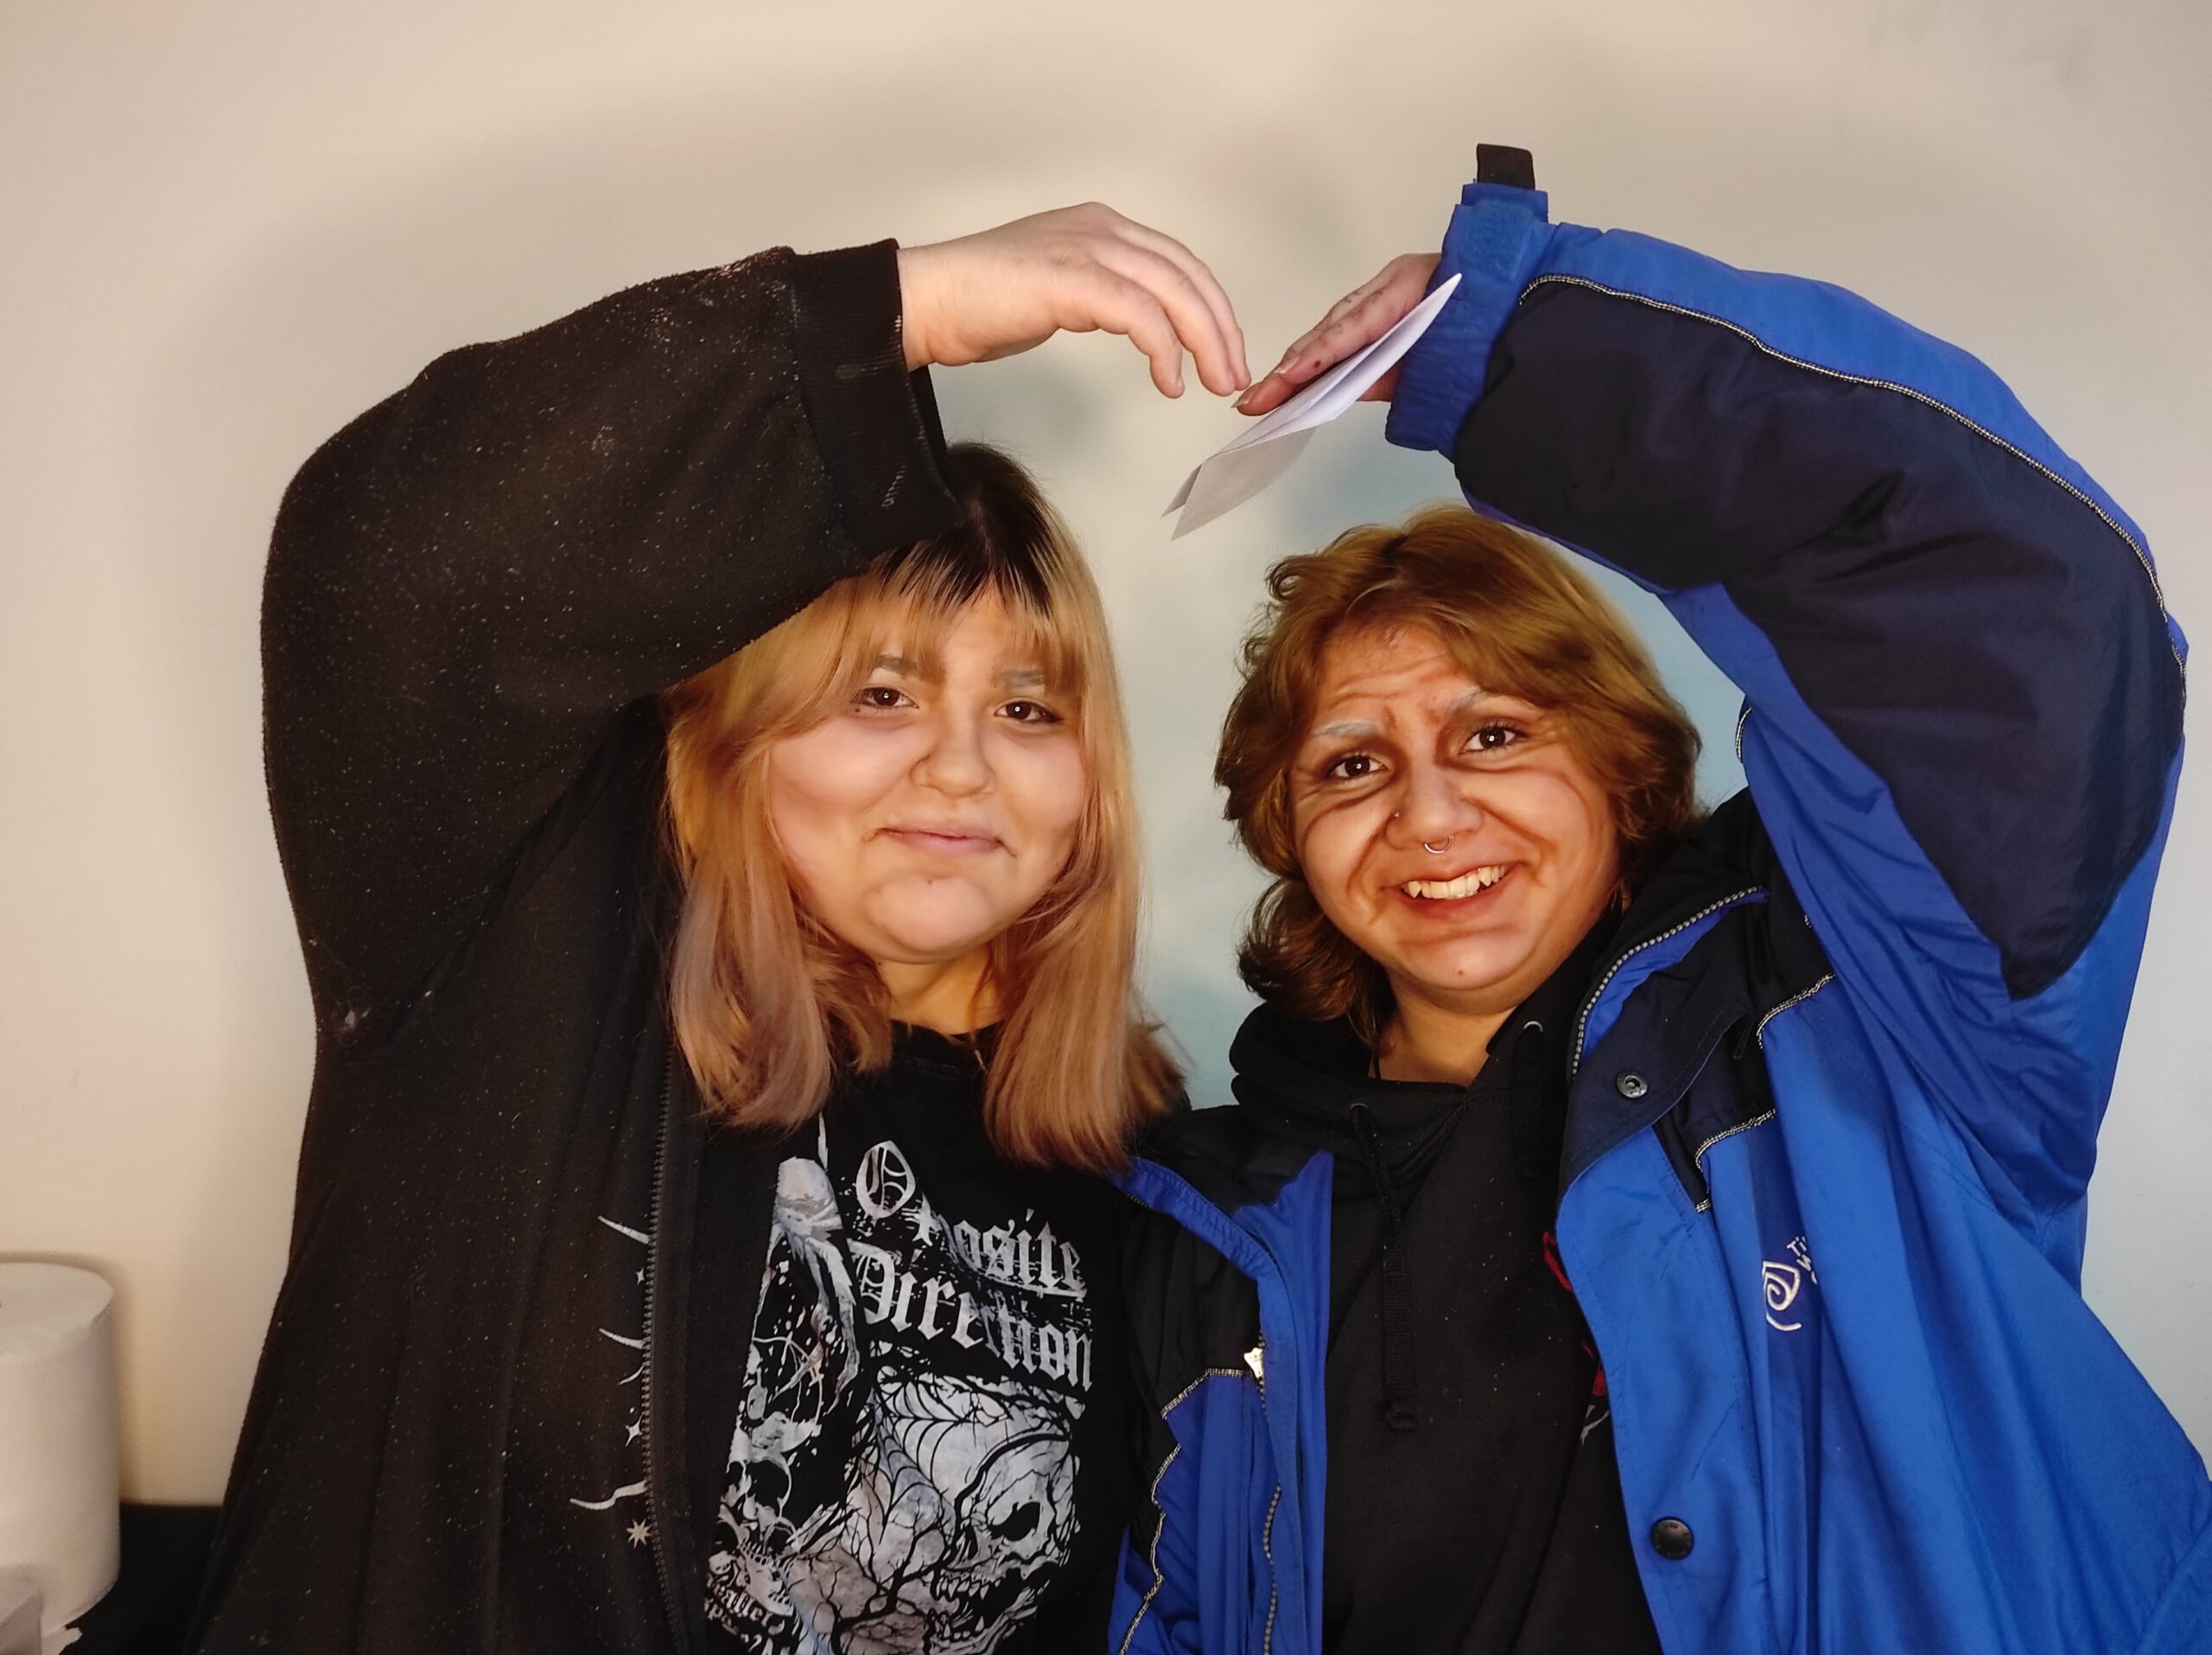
(1075,270)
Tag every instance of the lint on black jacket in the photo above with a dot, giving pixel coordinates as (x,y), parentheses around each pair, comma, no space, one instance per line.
(495,1406)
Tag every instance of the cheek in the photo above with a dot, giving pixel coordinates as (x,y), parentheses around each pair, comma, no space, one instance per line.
(1331,845)
(837,769)
(1044,785)
(1569,813)
(821,785)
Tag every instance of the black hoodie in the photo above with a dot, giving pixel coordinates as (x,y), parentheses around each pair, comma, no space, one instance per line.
(1473,1499)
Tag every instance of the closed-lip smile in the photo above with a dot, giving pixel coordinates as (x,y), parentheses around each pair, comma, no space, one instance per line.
(944,838)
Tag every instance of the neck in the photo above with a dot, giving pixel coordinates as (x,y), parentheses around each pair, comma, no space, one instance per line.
(950,996)
(1424,1042)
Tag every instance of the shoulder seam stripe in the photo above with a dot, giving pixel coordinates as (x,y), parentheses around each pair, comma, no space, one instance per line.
(2142,556)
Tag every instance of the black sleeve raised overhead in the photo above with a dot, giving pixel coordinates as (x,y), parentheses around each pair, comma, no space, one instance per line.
(471,585)
(886,464)
(1977,633)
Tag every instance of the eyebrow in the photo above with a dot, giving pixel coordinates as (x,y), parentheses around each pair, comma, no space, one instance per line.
(1362,727)
(1007,677)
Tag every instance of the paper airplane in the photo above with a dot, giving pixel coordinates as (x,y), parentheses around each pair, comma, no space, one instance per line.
(1235,473)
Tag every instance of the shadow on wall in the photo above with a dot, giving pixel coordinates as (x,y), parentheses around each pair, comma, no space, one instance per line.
(240,369)
(242,366)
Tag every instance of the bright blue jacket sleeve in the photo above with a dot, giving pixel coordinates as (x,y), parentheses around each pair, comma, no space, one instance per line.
(1964,694)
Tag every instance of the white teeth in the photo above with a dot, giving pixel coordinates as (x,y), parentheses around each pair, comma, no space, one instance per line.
(1447,890)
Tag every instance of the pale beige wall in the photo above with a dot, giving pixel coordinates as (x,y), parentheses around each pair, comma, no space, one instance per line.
(224,228)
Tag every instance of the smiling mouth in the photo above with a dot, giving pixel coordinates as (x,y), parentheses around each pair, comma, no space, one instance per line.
(1473,883)
(942,842)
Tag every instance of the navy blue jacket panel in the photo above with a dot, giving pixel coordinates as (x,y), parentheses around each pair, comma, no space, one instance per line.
(1835,1092)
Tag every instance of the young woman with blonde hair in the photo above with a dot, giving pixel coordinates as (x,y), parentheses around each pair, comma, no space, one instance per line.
(704,803)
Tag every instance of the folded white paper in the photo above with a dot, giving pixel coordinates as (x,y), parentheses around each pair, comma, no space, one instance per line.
(1233,474)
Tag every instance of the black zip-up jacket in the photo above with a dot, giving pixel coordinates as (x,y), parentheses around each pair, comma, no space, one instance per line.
(474,592)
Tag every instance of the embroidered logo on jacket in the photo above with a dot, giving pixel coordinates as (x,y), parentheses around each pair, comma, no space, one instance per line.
(1785,1283)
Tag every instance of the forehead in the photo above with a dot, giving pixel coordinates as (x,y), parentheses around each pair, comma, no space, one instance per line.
(986,636)
(1387,673)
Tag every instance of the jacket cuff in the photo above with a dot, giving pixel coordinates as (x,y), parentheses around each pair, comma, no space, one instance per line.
(1496,239)
(875,423)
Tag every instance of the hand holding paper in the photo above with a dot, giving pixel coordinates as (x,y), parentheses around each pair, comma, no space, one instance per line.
(1245,466)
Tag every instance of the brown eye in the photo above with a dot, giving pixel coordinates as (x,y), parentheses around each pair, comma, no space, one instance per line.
(1493,738)
(880,698)
(1030,712)
(1353,766)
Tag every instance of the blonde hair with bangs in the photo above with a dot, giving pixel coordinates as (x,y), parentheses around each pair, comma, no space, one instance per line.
(769,1006)
(1514,615)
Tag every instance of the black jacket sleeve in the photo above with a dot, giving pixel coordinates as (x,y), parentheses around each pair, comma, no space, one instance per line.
(471,582)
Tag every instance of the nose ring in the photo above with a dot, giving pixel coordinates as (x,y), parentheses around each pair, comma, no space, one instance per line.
(1436,849)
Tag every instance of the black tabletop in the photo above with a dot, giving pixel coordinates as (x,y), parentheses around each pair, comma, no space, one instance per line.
(148,1610)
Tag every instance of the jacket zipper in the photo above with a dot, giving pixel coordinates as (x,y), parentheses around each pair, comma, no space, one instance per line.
(656,1507)
(1589,1004)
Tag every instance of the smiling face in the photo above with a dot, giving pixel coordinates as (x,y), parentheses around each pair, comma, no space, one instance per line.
(1404,751)
(939,803)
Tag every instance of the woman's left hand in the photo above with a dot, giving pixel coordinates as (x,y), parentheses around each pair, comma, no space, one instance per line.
(1075,270)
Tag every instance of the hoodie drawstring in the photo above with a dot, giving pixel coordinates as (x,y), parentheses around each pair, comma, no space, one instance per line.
(1401,1386)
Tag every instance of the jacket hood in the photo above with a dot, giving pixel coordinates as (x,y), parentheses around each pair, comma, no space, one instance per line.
(1303,1079)
(1314,1082)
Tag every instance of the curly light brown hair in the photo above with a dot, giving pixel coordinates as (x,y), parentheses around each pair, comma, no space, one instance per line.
(1512,613)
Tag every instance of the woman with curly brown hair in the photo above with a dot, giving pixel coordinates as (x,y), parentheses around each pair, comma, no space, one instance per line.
(1640,1229)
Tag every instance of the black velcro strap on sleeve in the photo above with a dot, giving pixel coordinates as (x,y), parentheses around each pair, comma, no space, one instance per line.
(1501,163)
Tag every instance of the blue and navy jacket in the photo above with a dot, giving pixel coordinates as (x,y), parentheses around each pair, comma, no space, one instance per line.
(1835,1089)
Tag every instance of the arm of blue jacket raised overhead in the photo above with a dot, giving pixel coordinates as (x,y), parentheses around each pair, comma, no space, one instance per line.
(1966,691)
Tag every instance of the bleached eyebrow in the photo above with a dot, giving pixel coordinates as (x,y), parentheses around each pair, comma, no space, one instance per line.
(1339,732)
(898,666)
(1020,677)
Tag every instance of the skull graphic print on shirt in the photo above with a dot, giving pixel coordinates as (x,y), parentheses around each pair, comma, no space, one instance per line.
(903,1471)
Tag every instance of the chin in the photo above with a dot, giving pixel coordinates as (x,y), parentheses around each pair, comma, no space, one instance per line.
(931,933)
(1447,973)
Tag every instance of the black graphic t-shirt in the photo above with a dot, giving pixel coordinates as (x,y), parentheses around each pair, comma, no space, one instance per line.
(931,1442)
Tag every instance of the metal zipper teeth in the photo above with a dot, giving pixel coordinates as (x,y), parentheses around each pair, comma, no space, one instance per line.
(677,1632)
(1582,1022)
(1798,998)
(1697,1158)
(1274,1590)
(2143,558)
(1151,1557)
